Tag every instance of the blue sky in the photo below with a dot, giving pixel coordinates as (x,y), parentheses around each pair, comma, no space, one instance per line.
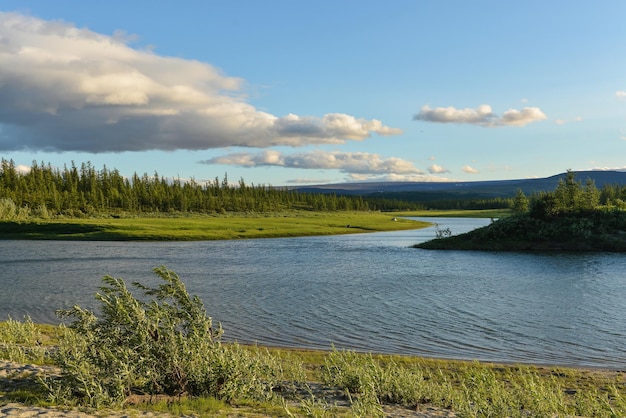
(287,93)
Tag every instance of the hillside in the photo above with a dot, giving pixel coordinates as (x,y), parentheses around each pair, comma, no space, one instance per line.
(458,190)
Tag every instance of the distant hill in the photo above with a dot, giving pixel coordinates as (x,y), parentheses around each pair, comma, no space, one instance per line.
(463,189)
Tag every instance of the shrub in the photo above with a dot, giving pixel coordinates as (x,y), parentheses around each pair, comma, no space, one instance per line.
(9,211)
(167,345)
(21,342)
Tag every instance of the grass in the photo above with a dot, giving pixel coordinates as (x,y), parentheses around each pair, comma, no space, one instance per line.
(289,224)
(370,381)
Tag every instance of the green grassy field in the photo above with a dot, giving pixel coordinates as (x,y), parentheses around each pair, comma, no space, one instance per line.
(219,227)
(207,228)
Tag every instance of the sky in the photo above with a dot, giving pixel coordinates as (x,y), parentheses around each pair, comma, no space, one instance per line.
(289,93)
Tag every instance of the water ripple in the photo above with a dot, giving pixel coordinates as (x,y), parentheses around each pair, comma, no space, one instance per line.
(367,292)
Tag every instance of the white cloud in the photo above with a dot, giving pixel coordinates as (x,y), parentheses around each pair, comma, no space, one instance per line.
(437,169)
(21,168)
(307,181)
(483,115)
(623,168)
(563,121)
(470,170)
(398,177)
(335,127)
(346,162)
(620,94)
(522,117)
(66,88)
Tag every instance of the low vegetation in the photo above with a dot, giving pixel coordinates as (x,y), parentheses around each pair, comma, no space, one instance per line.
(569,218)
(160,351)
(287,224)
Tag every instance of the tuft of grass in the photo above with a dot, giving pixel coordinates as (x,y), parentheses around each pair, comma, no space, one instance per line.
(474,389)
(197,406)
(24,341)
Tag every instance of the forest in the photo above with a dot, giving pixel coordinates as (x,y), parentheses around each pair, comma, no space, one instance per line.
(48,192)
(81,191)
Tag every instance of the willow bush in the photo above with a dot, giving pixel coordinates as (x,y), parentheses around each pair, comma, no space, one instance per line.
(21,342)
(165,346)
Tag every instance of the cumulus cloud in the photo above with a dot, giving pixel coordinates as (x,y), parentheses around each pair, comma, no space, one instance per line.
(437,169)
(623,168)
(563,121)
(21,168)
(470,170)
(345,162)
(307,181)
(66,88)
(483,115)
(620,94)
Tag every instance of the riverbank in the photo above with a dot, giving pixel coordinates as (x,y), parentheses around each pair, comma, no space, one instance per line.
(331,383)
(197,227)
(17,379)
(549,389)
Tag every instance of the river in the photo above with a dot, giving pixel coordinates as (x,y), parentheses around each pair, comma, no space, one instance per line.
(366,292)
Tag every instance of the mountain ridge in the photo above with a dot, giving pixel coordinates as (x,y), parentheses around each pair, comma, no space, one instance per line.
(474,189)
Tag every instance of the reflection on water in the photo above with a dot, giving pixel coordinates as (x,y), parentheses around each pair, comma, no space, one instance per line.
(366,292)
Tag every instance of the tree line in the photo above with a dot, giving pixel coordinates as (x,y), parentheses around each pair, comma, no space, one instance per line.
(571,197)
(45,191)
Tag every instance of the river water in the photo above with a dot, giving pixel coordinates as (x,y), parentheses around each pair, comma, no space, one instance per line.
(366,292)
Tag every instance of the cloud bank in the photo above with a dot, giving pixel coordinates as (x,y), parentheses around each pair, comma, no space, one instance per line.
(346,162)
(483,115)
(64,88)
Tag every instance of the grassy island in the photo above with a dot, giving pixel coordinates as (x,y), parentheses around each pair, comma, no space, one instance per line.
(597,230)
(567,219)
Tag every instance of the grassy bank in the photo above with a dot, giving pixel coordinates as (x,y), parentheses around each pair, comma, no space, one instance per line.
(346,384)
(289,224)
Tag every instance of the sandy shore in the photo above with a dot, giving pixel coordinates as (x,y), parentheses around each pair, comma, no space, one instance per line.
(16,376)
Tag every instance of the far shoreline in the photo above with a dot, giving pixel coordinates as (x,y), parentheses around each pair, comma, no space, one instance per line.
(198,227)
